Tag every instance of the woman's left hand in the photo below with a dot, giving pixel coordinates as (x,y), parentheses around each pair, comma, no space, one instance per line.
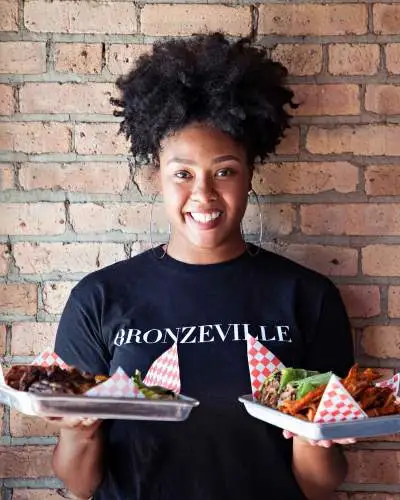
(323,443)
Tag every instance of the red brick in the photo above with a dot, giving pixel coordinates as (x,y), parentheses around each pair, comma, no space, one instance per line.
(84,58)
(32,218)
(30,339)
(381,341)
(317,100)
(7,100)
(100,138)
(305,178)
(28,494)
(4,259)
(147,179)
(290,144)
(122,57)
(386,19)
(351,219)
(394,302)
(277,219)
(66,16)
(23,57)
(381,260)
(164,20)
(353,59)
(18,298)
(299,59)
(373,496)
(66,98)
(91,177)
(373,466)
(392,52)
(2,346)
(23,425)
(55,295)
(1,421)
(6,177)
(312,19)
(43,258)
(359,139)
(35,137)
(382,180)
(25,461)
(9,15)
(383,99)
(362,301)
(328,260)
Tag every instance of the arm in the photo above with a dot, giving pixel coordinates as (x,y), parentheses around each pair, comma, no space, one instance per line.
(78,457)
(318,470)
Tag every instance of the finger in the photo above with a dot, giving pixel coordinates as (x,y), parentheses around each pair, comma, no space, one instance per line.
(287,434)
(325,443)
(87,422)
(345,441)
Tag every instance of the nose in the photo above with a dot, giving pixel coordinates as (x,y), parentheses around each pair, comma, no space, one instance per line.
(204,190)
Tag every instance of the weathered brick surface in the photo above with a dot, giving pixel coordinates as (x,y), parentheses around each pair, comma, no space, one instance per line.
(18,298)
(316,100)
(360,140)
(25,461)
(362,301)
(381,260)
(100,138)
(66,98)
(374,466)
(381,341)
(23,425)
(32,218)
(382,180)
(277,219)
(55,295)
(39,494)
(383,99)
(30,339)
(355,219)
(353,59)
(4,259)
(9,15)
(392,53)
(299,59)
(67,16)
(305,178)
(2,346)
(35,137)
(313,19)
(394,301)
(164,20)
(6,177)
(65,258)
(122,57)
(85,58)
(386,18)
(290,142)
(93,177)
(7,100)
(22,57)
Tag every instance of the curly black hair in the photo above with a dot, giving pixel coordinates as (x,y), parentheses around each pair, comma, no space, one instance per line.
(231,85)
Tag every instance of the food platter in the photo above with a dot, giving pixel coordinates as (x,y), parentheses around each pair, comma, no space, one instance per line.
(53,405)
(367,427)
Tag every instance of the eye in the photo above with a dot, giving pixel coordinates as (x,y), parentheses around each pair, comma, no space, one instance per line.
(225,172)
(183,174)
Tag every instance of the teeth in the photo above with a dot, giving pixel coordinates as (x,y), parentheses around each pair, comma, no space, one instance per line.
(204,218)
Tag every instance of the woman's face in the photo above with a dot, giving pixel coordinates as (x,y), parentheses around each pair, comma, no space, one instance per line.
(205,180)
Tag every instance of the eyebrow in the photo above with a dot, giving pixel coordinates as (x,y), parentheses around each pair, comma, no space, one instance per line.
(219,159)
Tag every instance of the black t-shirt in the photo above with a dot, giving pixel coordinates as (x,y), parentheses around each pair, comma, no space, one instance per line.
(129,313)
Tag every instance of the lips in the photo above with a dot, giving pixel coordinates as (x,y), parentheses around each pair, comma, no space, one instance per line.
(204,220)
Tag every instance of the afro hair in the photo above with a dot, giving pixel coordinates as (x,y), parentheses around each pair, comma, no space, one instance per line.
(231,85)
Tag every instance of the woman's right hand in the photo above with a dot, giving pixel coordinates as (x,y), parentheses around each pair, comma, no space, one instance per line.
(86,426)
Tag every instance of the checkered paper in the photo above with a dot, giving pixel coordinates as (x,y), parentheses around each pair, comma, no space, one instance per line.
(165,371)
(48,358)
(393,383)
(262,363)
(118,385)
(337,405)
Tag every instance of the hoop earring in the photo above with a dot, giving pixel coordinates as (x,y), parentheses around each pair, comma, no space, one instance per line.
(260,234)
(164,252)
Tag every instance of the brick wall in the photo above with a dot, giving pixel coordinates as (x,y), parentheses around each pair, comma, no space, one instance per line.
(71,203)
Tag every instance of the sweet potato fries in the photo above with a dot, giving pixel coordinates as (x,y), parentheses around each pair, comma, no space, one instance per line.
(375,401)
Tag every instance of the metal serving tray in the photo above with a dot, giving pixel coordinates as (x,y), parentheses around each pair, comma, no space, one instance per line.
(368,427)
(49,405)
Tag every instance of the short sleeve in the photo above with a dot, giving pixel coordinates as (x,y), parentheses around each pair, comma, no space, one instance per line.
(79,339)
(330,348)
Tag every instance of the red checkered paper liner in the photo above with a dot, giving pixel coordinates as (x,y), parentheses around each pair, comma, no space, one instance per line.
(393,383)
(337,405)
(262,363)
(165,371)
(48,358)
(119,385)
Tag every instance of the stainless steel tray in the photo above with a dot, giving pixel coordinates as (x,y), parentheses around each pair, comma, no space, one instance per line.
(45,405)
(368,427)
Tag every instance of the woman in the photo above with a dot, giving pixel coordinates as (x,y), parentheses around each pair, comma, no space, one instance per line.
(203,110)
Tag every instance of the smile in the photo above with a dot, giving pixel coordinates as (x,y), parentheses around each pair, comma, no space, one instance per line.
(205,218)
